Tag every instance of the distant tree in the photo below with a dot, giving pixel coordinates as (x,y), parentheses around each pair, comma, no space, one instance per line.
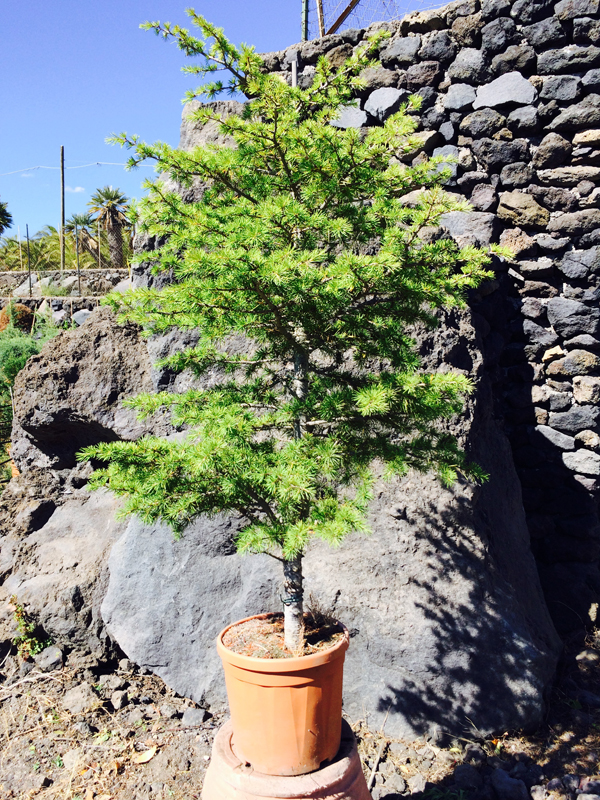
(6,219)
(110,208)
(86,226)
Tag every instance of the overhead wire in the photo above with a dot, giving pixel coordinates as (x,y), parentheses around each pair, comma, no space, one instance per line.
(80,166)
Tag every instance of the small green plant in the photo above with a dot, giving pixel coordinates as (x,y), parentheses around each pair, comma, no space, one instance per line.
(58,762)
(29,642)
(55,291)
(441,793)
(17,346)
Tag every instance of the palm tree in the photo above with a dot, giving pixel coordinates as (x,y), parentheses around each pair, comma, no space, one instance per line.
(86,226)
(110,207)
(6,219)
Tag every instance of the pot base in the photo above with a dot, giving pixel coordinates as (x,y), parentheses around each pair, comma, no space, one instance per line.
(227,778)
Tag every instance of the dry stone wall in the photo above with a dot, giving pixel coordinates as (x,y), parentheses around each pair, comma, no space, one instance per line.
(511,91)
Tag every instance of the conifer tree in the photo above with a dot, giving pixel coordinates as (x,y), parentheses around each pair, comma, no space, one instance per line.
(303,269)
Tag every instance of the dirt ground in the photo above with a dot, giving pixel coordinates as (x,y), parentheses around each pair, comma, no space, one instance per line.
(94,731)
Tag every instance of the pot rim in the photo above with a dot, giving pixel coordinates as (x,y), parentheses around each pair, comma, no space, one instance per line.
(281,665)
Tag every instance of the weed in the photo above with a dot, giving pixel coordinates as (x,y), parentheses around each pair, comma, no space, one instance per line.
(440,793)
(29,642)
(57,762)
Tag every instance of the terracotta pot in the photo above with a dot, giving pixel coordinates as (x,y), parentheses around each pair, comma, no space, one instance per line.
(286,712)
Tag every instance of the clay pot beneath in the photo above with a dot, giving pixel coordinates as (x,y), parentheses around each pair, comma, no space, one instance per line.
(286,713)
(228,778)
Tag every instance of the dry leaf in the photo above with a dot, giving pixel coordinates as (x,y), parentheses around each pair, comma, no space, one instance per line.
(89,795)
(143,758)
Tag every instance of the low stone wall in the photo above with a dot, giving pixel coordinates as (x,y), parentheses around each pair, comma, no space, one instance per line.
(63,309)
(93,282)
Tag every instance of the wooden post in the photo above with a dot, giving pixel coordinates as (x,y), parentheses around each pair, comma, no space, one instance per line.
(62,208)
(304,20)
(28,259)
(20,248)
(77,257)
(320,18)
(349,8)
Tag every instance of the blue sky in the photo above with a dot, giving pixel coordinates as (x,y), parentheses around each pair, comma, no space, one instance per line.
(74,72)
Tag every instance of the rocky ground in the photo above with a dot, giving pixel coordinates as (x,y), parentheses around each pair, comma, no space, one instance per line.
(87,730)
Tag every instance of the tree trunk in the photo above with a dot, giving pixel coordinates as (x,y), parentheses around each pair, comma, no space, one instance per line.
(115,245)
(293,616)
(293,611)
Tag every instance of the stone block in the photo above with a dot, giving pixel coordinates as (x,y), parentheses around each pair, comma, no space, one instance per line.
(586,30)
(524,120)
(522,209)
(482,123)
(466,30)
(448,151)
(437,46)
(568,176)
(548,31)
(572,58)
(517,174)
(494,154)
(583,461)
(552,151)
(469,66)
(517,58)
(586,389)
(563,88)
(352,116)
(459,97)
(577,362)
(528,11)
(509,89)
(518,242)
(484,197)
(585,114)
(470,227)
(384,102)
(498,34)
(569,9)
(537,334)
(591,80)
(570,317)
(426,73)
(402,51)
(576,264)
(576,223)
(577,418)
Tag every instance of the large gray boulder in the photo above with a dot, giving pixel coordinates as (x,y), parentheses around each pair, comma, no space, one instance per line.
(59,571)
(443,601)
(70,395)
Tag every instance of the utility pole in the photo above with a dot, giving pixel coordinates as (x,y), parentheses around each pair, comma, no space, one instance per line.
(62,208)
(304,20)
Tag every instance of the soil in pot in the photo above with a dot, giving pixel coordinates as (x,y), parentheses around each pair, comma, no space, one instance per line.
(264,637)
